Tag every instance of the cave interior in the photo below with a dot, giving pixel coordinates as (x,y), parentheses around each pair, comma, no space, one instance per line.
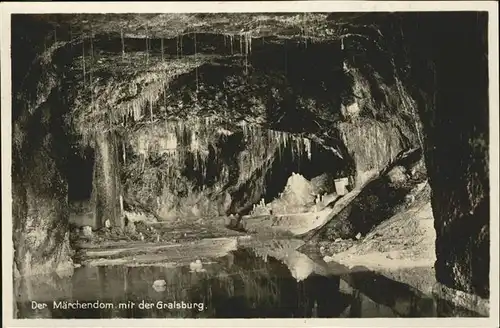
(203,115)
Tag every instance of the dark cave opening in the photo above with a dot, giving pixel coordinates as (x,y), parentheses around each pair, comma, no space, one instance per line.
(322,162)
(80,174)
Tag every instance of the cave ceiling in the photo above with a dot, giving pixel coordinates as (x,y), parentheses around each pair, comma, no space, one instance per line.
(282,71)
(319,26)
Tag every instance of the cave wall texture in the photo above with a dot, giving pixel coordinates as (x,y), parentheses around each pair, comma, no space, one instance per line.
(456,127)
(106,182)
(39,184)
(392,82)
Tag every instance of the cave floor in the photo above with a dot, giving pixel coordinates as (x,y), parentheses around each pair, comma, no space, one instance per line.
(160,243)
(244,276)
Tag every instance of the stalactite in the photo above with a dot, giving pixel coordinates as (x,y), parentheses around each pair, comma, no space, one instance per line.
(121,211)
(124,153)
(83,58)
(307,143)
(178,45)
(55,34)
(162,56)
(70,38)
(286,59)
(123,43)
(247,49)
(181,50)
(147,46)
(90,69)
(305,30)
(165,97)
(91,48)
(231,37)
(195,57)
(151,109)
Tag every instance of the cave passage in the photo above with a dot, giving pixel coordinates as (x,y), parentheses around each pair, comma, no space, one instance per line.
(80,174)
(322,161)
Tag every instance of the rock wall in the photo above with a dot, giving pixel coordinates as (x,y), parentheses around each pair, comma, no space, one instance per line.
(39,149)
(378,200)
(456,125)
(379,115)
(372,145)
(39,194)
(443,65)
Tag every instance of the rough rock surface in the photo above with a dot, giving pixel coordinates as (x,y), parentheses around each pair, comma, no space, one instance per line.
(456,146)
(39,191)
(371,204)
(404,240)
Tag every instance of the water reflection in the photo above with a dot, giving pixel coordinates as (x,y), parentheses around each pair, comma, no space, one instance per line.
(247,283)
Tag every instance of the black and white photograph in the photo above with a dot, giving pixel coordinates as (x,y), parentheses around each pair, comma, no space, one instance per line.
(295,164)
